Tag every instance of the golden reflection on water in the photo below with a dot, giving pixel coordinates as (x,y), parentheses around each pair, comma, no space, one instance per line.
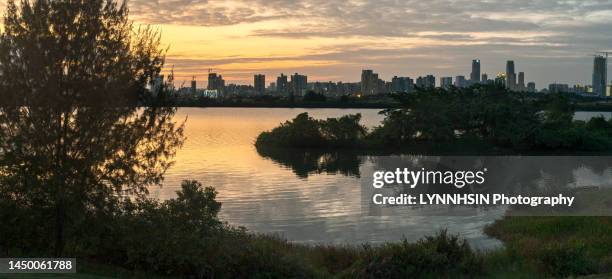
(266,197)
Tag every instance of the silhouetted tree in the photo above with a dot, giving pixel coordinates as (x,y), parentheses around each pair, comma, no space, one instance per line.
(72,140)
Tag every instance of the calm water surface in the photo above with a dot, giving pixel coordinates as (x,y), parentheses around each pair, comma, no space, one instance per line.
(265,196)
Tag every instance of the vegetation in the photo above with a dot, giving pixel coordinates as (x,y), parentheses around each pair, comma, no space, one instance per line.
(487,115)
(312,96)
(77,157)
(304,131)
(556,246)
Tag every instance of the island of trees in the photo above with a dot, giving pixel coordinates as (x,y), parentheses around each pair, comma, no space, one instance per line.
(481,118)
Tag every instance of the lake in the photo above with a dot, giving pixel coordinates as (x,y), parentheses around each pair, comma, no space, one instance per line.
(268,197)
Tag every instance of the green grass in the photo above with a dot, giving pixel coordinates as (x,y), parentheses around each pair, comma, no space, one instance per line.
(556,246)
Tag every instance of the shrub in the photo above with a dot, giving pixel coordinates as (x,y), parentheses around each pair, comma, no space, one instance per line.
(442,255)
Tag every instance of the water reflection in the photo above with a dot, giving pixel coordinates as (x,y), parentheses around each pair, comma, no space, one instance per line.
(314,197)
(307,162)
(527,176)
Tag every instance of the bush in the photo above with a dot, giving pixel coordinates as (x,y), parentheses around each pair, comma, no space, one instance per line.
(562,260)
(442,255)
(184,237)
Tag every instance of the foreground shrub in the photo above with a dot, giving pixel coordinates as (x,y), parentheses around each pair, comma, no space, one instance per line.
(442,255)
(184,237)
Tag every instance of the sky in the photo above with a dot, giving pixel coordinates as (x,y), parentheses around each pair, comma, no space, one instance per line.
(329,40)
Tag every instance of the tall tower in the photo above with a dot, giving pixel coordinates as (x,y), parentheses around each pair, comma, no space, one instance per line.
(282,84)
(600,72)
(475,76)
(193,85)
(521,81)
(259,82)
(510,75)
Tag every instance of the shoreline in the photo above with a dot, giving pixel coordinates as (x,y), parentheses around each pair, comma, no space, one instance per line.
(579,107)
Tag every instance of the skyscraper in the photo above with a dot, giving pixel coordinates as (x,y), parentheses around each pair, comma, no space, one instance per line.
(193,85)
(510,75)
(521,81)
(299,83)
(600,72)
(475,76)
(282,85)
(215,82)
(260,84)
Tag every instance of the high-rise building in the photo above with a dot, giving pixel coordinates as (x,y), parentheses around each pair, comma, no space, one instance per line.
(475,76)
(531,87)
(401,84)
(446,82)
(600,72)
(521,81)
(485,78)
(460,81)
(193,85)
(299,84)
(282,84)
(510,75)
(259,83)
(369,82)
(428,81)
(558,88)
(215,82)
(501,79)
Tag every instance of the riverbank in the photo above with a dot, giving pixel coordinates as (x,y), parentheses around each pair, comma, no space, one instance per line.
(534,247)
(365,102)
(590,107)
(183,237)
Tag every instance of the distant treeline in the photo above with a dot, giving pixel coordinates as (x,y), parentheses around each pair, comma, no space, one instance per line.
(489,115)
(319,100)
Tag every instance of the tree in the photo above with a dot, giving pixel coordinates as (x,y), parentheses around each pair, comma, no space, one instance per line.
(72,139)
(312,96)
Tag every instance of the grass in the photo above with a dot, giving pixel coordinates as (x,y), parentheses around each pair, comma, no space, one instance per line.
(556,246)
(535,247)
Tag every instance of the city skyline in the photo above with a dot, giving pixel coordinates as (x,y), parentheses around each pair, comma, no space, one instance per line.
(334,40)
(371,83)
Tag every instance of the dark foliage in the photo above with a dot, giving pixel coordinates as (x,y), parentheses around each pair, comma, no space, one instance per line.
(304,131)
(488,115)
